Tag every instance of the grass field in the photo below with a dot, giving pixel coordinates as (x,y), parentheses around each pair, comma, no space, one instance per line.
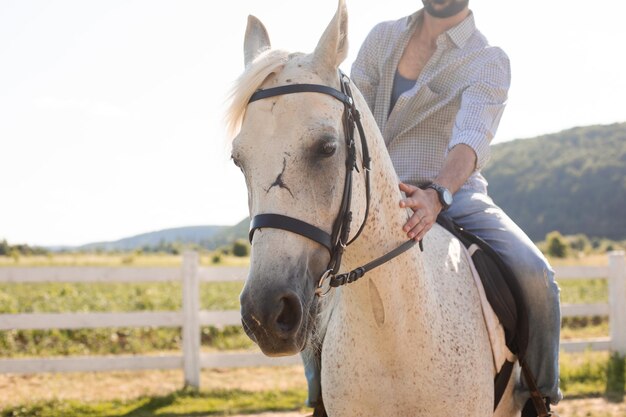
(228,391)
(178,403)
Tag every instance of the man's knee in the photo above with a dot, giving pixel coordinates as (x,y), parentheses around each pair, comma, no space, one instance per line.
(537,281)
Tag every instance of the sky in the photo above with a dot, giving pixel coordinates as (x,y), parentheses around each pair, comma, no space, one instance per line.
(111,112)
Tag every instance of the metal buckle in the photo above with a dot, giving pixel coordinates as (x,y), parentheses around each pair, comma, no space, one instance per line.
(323,290)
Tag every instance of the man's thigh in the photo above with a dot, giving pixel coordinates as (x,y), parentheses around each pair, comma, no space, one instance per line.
(478,214)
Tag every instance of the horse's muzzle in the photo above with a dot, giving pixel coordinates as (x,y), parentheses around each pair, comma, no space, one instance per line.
(273,321)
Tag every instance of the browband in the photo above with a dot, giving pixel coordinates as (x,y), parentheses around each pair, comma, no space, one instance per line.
(301,88)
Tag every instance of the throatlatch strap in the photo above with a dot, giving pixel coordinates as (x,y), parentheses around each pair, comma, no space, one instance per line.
(278,221)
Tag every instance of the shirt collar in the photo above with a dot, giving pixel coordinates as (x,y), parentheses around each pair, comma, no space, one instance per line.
(463,31)
(412,19)
(459,34)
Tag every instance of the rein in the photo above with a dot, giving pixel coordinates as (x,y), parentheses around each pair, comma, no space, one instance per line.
(338,240)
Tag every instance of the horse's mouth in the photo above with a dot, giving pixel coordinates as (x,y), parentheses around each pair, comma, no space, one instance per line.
(248,330)
(273,343)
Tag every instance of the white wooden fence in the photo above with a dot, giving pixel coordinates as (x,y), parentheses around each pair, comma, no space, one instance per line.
(191,318)
(615,273)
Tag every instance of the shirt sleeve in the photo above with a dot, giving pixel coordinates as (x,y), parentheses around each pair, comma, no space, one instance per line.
(365,69)
(482,105)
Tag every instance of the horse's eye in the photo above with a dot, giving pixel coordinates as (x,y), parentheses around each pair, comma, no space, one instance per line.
(328,148)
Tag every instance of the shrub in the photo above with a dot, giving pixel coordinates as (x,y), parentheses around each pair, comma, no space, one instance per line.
(241,248)
(616,376)
(217,258)
(4,248)
(556,245)
(579,243)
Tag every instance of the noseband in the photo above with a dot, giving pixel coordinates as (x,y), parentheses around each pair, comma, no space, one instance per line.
(337,241)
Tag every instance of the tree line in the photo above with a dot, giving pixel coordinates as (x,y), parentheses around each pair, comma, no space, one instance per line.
(21,249)
(573,181)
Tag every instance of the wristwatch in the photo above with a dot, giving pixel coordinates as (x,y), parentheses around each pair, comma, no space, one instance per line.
(445,196)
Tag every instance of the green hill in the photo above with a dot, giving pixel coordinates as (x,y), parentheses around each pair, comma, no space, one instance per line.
(228,235)
(200,235)
(208,237)
(573,181)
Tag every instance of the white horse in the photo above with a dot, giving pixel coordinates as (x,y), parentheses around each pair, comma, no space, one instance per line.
(407,339)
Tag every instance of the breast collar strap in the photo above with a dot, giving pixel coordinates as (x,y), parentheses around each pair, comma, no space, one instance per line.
(336,242)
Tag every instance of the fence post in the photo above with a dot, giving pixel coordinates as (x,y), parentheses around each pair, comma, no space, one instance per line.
(191,321)
(617,301)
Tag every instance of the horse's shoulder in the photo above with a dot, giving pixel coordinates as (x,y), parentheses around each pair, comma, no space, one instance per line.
(443,252)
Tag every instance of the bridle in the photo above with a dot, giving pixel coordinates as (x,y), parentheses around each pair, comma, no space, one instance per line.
(337,241)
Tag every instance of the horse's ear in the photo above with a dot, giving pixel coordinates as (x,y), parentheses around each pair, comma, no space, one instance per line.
(256,40)
(332,47)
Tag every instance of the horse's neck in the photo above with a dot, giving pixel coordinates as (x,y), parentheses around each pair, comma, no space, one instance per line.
(395,337)
(403,279)
(383,227)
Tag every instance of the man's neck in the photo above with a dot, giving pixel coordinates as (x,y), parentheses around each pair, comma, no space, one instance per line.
(432,27)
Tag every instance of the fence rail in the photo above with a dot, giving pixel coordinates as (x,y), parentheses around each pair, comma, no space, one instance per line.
(191,317)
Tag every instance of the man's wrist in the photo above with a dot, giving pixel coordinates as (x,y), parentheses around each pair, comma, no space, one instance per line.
(444,195)
(434,198)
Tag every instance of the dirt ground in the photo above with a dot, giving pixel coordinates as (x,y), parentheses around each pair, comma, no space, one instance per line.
(101,386)
(587,407)
(274,415)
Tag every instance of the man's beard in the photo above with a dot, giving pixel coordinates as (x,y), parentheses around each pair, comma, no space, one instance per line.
(453,7)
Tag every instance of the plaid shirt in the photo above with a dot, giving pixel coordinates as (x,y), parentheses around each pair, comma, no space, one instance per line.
(458,98)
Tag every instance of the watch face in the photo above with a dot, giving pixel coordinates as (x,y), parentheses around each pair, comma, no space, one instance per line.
(447,196)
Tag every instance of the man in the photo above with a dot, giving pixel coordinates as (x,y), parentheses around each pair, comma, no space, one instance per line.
(437,90)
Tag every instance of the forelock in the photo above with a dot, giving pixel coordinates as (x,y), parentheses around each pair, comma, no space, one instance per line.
(262,67)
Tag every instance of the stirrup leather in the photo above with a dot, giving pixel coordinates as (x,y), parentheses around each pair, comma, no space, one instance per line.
(540,404)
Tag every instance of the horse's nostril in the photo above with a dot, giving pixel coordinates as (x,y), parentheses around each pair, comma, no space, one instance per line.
(289,316)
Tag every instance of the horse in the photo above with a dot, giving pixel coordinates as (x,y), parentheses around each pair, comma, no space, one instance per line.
(409,338)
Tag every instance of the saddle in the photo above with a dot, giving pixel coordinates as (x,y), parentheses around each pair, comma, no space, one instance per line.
(505,297)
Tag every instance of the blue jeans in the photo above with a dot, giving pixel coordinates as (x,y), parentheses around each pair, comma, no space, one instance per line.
(478,214)
(313,374)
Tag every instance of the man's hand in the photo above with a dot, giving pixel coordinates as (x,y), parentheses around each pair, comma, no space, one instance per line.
(426,207)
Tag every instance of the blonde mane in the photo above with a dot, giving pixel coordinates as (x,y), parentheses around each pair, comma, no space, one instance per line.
(263,66)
